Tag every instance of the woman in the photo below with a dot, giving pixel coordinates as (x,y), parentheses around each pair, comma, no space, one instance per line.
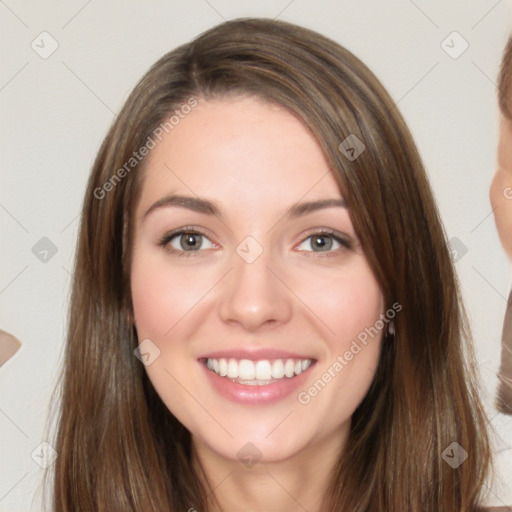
(216,360)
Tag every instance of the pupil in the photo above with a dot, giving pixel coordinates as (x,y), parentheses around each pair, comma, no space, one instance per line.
(190,241)
(320,241)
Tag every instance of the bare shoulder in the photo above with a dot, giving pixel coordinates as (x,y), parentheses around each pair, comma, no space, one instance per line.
(496,509)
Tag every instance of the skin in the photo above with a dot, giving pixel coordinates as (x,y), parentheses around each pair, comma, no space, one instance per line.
(501,188)
(255,160)
(501,201)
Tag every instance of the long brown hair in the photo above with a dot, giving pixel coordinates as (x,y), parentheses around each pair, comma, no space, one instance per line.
(120,448)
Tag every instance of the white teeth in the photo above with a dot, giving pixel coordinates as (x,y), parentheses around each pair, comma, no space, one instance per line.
(278,369)
(232,369)
(256,382)
(258,372)
(263,370)
(289,368)
(223,367)
(306,363)
(246,369)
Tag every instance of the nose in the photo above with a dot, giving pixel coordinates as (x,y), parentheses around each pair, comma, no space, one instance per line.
(254,294)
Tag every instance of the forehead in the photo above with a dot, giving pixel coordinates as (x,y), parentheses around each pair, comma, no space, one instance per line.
(240,149)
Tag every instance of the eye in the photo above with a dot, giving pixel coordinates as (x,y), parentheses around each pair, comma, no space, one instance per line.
(189,242)
(325,240)
(184,241)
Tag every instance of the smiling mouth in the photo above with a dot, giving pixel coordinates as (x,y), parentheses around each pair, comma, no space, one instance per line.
(257,373)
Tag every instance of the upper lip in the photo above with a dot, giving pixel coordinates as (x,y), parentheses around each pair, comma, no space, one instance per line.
(254,354)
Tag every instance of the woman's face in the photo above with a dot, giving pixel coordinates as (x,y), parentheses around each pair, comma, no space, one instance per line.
(255,283)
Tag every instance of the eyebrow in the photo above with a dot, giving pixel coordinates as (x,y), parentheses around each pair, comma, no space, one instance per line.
(207,207)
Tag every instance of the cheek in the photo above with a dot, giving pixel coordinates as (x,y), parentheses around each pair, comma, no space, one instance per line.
(153,300)
(161,294)
(500,195)
(352,309)
(346,303)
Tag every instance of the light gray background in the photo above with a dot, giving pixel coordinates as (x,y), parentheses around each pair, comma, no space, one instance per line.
(56,111)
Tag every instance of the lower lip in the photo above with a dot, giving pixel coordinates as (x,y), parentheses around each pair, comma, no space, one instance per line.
(246,394)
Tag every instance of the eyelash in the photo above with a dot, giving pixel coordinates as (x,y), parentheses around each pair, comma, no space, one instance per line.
(164,242)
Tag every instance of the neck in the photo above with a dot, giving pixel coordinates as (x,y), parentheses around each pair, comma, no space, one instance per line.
(296,484)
